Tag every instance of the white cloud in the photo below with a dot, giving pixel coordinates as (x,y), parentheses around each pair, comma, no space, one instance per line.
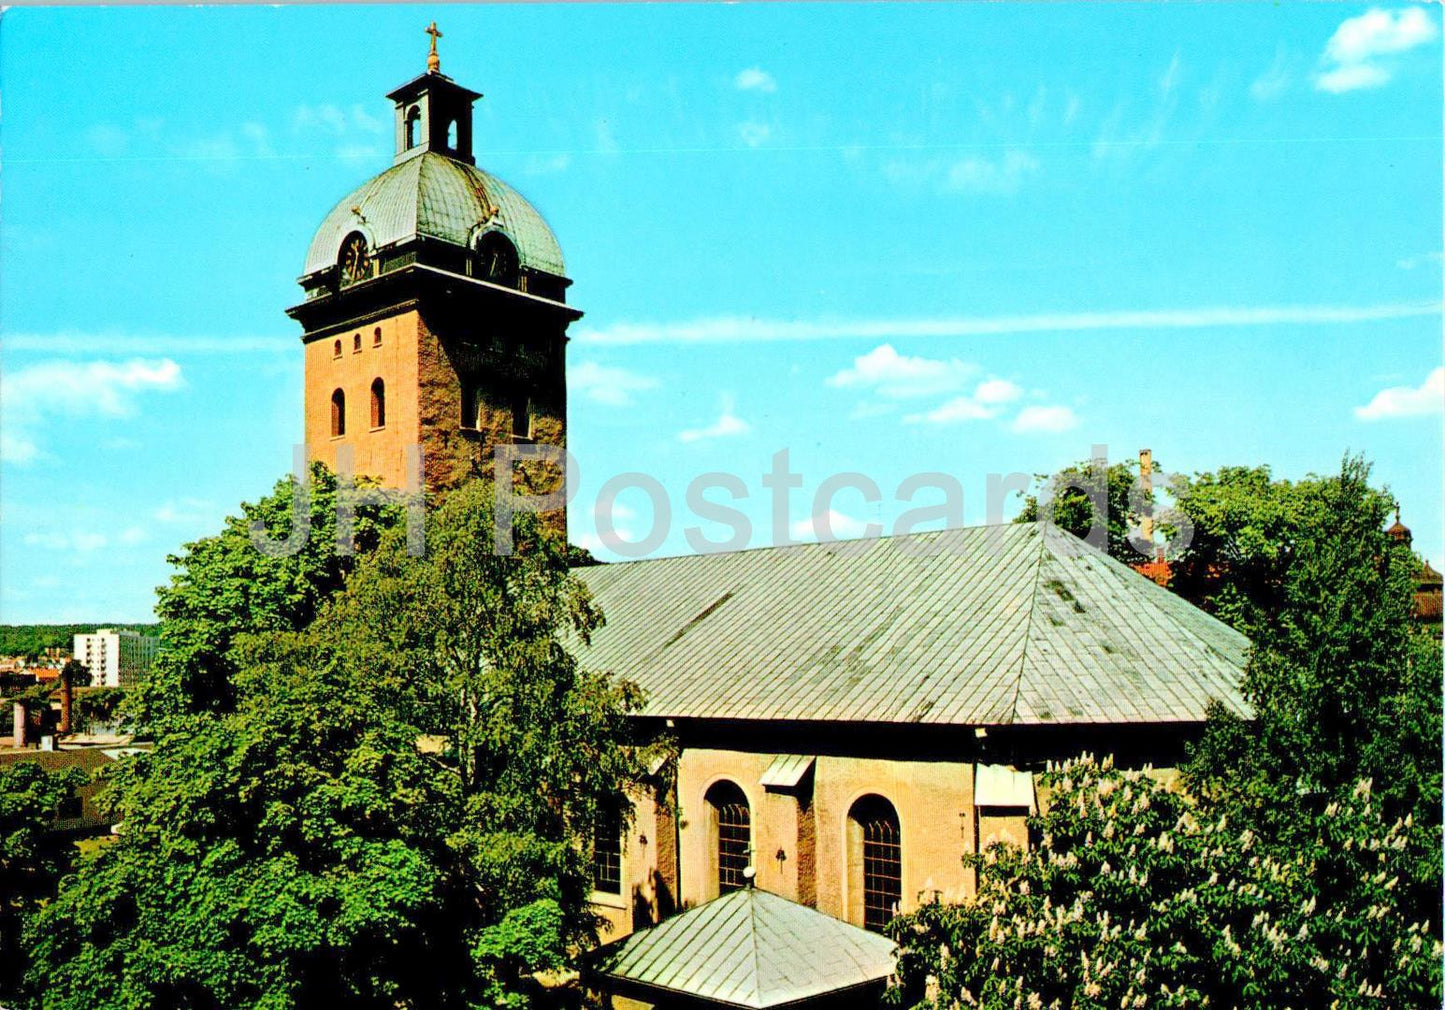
(727,425)
(1352,57)
(754,134)
(1172,75)
(897,376)
(1411,262)
(188,511)
(984,403)
(1000,178)
(755,79)
(75,389)
(338,122)
(79,541)
(607,385)
(1051,420)
(109,141)
(731,329)
(1406,401)
(547,164)
(841,525)
(177,346)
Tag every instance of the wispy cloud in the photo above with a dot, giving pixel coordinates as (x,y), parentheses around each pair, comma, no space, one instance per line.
(973,175)
(29,395)
(986,402)
(755,79)
(1356,56)
(898,376)
(754,134)
(727,425)
(607,385)
(1424,259)
(1275,81)
(1406,401)
(154,344)
(834,525)
(1044,419)
(729,329)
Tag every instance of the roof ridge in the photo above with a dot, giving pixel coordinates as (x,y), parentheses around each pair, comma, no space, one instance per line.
(1028,629)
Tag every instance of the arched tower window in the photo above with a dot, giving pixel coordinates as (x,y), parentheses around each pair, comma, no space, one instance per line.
(413,125)
(338,413)
(452,135)
(732,834)
(356,343)
(336,350)
(376,337)
(378,404)
(875,863)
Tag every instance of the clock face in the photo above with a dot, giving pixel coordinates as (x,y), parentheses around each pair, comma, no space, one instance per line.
(355,263)
(497,261)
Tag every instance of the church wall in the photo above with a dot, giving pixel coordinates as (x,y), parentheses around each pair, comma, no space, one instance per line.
(378,453)
(933,800)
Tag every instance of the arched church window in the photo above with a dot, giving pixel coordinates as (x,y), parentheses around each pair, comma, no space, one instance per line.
(336,351)
(413,124)
(376,337)
(378,404)
(521,417)
(875,863)
(354,262)
(452,135)
(495,260)
(338,413)
(732,834)
(356,344)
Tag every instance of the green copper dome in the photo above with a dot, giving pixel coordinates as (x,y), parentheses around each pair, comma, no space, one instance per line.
(431,195)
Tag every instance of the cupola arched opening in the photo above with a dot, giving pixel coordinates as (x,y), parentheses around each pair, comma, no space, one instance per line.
(875,863)
(452,135)
(338,413)
(378,404)
(413,126)
(730,828)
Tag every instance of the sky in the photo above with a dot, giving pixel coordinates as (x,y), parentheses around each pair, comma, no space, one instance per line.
(890,239)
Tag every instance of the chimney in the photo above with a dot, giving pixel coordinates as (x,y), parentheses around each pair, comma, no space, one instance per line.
(1146,483)
(22,724)
(67,700)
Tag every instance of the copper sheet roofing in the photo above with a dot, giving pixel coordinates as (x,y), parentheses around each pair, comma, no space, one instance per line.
(988,625)
(750,948)
(438,197)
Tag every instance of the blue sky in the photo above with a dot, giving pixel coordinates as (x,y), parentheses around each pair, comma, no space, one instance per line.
(889,238)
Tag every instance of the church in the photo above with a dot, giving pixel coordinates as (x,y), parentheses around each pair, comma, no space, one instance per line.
(850,720)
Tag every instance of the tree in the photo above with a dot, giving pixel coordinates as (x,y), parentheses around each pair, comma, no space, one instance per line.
(1137,895)
(1072,491)
(32,860)
(393,810)
(1344,687)
(224,587)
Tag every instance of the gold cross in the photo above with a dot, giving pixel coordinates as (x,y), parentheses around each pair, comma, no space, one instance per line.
(433,61)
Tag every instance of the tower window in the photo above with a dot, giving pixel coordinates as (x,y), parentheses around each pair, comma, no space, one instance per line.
(376,337)
(356,344)
(413,122)
(495,260)
(732,834)
(336,351)
(521,418)
(875,862)
(378,404)
(607,854)
(452,135)
(338,414)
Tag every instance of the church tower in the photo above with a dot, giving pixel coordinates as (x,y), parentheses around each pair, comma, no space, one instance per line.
(435,309)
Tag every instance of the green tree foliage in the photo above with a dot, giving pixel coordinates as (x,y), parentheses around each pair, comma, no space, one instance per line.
(393,810)
(1299,862)
(1072,492)
(1137,896)
(224,588)
(32,860)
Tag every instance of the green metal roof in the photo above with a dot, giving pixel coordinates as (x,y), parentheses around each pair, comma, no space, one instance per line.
(750,948)
(439,197)
(990,625)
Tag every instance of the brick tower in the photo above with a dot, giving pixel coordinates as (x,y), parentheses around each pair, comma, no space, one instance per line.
(435,309)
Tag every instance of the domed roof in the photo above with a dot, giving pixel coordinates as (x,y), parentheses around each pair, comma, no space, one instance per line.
(439,197)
